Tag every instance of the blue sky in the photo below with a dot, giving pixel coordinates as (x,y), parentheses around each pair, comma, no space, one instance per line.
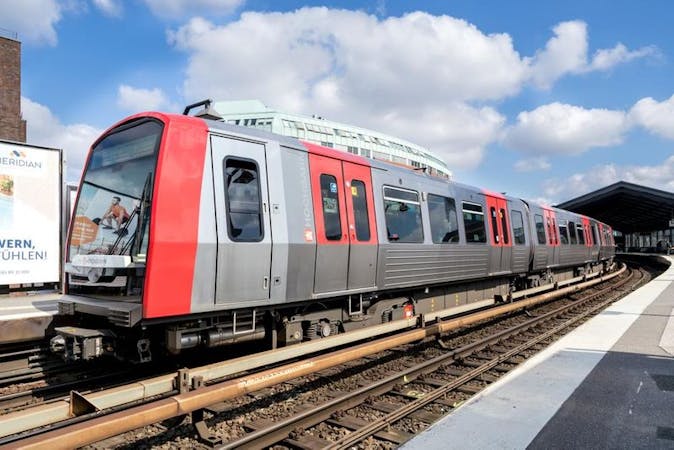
(542,100)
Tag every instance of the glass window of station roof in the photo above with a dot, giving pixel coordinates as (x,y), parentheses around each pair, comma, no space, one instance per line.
(341,136)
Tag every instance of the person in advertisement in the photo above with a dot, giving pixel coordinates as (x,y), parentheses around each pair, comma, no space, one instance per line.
(117,213)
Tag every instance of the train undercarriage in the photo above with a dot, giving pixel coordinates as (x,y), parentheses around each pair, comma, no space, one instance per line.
(91,336)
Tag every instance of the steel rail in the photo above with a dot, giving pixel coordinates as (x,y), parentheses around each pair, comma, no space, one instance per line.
(381,423)
(105,426)
(280,430)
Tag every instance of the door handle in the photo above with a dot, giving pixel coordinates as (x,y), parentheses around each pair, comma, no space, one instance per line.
(265,283)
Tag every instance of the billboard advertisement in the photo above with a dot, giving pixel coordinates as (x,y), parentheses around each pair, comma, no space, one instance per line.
(30,214)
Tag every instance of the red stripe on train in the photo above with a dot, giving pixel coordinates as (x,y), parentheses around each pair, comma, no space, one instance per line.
(174,227)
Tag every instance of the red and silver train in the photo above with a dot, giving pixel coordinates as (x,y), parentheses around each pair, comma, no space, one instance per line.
(190,232)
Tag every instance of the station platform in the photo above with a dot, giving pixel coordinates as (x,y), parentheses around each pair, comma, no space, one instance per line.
(607,384)
(25,317)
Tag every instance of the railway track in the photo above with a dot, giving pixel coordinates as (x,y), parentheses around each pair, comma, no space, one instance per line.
(385,410)
(22,361)
(410,392)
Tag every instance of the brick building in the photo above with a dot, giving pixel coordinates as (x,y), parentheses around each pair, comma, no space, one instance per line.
(12,126)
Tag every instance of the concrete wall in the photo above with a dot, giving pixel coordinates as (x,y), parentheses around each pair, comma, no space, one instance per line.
(12,126)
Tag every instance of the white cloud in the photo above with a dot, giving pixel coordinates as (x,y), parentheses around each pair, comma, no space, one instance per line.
(532,164)
(177,9)
(419,77)
(33,20)
(605,59)
(567,53)
(565,129)
(410,77)
(656,117)
(112,8)
(136,99)
(659,176)
(389,61)
(564,53)
(43,128)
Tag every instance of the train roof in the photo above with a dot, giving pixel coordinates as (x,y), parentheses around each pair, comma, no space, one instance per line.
(418,175)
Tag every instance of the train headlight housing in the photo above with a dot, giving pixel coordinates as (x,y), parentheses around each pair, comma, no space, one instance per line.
(94,274)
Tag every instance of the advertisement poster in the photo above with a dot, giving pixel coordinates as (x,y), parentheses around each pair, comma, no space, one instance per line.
(30,214)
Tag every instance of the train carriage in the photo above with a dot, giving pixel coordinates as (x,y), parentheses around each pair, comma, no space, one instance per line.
(190,232)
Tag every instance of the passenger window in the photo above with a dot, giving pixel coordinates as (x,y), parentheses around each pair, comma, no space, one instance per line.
(581,234)
(473,222)
(504,226)
(333,225)
(402,212)
(572,233)
(359,199)
(444,223)
(563,237)
(540,229)
(494,224)
(518,228)
(551,233)
(242,200)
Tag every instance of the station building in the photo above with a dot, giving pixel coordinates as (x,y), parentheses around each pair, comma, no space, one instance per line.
(642,217)
(340,136)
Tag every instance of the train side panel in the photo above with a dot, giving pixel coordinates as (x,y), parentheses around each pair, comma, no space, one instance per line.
(203,285)
(295,235)
(522,238)
(570,252)
(407,254)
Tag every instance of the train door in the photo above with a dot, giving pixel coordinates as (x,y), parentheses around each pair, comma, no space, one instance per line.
(362,229)
(501,242)
(332,240)
(553,236)
(588,238)
(602,241)
(244,247)
(522,244)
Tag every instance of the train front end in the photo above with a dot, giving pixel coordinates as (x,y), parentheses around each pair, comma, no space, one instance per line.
(107,246)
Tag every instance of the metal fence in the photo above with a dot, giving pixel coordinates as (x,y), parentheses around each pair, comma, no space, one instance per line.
(9,34)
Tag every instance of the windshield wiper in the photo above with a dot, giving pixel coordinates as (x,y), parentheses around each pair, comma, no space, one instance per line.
(143,218)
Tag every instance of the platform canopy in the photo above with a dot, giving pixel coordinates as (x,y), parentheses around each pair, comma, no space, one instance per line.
(627,207)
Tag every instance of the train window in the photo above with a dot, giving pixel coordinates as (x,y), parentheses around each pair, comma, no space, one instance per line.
(595,235)
(572,233)
(504,226)
(403,215)
(581,234)
(444,223)
(242,198)
(563,237)
(540,229)
(518,227)
(494,224)
(473,222)
(359,199)
(333,225)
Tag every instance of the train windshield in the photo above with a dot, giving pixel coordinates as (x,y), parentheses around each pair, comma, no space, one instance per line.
(112,212)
